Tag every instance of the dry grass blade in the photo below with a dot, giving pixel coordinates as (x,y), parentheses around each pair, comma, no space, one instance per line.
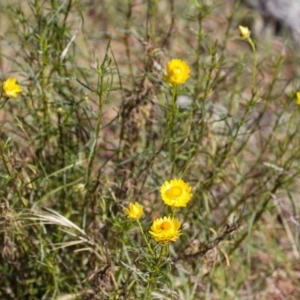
(75,295)
(54,218)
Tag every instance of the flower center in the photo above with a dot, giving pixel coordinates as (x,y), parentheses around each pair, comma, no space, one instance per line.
(134,210)
(174,192)
(165,225)
(177,70)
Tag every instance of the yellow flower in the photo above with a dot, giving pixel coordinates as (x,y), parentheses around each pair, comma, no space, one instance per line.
(244,31)
(165,229)
(11,88)
(176,193)
(135,211)
(177,72)
(298,98)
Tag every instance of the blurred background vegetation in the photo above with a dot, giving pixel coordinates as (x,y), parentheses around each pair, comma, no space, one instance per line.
(89,134)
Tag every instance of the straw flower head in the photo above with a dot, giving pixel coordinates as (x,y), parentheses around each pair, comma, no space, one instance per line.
(11,88)
(135,211)
(165,230)
(298,98)
(244,31)
(176,193)
(177,72)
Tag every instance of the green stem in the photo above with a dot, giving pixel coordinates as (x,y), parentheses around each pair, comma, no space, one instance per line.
(172,127)
(254,61)
(5,101)
(145,239)
(97,131)
(155,269)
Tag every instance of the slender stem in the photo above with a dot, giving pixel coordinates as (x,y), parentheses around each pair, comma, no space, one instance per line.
(102,71)
(94,145)
(145,239)
(5,101)
(172,127)
(154,271)
(97,131)
(254,71)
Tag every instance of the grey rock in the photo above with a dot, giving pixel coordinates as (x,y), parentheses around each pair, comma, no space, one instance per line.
(286,12)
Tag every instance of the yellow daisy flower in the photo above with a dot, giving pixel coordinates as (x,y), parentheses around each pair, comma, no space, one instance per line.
(177,72)
(135,211)
(11,88)
(244,31)
(165,229)
(298,98)
(176,193)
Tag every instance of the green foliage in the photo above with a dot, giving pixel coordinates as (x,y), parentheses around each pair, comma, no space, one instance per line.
(97,127)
